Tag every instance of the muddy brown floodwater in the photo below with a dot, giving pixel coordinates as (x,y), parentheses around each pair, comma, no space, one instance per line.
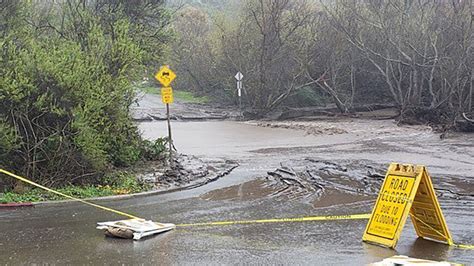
(334,166)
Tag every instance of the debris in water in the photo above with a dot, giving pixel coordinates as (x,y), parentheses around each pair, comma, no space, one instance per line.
(133,228)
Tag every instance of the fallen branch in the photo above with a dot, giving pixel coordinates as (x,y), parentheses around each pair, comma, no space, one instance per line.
(466,118)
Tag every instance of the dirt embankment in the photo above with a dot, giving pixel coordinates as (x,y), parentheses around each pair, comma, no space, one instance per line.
(187,172)
(440,120)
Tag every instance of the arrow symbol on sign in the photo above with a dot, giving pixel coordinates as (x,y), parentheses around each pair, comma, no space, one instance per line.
(239,76)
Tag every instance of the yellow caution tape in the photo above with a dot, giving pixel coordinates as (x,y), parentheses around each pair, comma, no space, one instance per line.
(284,220)
(220,223)
(462,246)
(67,196)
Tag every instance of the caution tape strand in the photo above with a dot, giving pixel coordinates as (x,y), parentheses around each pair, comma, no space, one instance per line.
(283,220)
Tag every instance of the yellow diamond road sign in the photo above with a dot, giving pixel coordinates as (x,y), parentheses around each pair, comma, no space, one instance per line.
(165,76)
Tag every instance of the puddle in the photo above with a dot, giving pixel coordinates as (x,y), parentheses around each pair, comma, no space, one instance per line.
(332,197)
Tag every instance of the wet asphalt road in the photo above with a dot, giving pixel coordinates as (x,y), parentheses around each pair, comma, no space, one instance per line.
(65,233)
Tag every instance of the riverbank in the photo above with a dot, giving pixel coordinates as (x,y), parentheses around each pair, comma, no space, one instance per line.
(146,179)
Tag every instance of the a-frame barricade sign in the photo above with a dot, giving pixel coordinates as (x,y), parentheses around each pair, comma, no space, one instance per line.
(406,190)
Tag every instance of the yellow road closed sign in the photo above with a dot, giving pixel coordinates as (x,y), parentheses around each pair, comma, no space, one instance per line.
(401,194)
(167,95)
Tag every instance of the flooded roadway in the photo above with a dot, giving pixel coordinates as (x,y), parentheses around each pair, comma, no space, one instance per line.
(66,234)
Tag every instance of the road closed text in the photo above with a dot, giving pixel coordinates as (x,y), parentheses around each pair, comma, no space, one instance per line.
(390,206)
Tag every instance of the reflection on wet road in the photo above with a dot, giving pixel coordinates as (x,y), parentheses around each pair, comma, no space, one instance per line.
(66,234)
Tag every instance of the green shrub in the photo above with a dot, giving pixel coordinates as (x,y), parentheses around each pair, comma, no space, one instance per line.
(154,150)
(113,184)
(36,194)
(65,93)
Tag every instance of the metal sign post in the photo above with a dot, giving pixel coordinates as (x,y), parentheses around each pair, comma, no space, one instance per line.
(239,77)
(165,76)
(170,138)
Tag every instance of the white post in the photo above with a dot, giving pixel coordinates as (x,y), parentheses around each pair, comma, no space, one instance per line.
(239,77)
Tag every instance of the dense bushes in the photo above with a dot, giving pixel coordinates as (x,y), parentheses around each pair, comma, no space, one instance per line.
(411,54)
(65,91)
